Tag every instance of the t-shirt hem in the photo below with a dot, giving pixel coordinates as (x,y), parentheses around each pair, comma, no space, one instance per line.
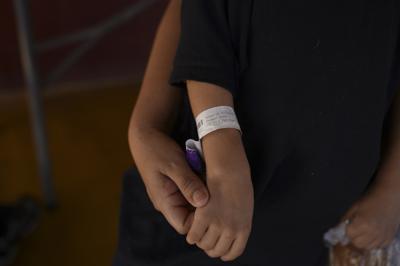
(181,74)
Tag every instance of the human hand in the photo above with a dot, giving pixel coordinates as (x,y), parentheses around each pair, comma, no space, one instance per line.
(374,220)
(170,183)
(222,227)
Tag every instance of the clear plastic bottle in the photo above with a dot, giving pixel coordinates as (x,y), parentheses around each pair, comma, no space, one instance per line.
(342,254)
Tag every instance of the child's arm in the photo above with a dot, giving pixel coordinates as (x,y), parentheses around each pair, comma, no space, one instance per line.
(158,102)
(376,217)
(222,227)
(207,63)
(388,179)
(169,181)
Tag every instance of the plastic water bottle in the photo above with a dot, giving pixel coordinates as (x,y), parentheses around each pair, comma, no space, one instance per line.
(342,254)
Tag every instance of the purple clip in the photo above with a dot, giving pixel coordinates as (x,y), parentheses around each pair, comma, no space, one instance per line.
(193,156)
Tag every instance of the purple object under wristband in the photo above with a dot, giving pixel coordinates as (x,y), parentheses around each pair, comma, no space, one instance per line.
(194,160)
(193,156)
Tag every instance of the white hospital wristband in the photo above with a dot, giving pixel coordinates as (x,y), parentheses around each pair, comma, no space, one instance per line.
(216,118)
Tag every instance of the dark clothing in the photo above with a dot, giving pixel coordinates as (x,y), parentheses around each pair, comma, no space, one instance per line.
(312,83)
(145,237)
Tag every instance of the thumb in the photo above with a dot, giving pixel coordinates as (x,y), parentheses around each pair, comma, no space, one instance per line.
(189,184)
(351,212)
(352,218)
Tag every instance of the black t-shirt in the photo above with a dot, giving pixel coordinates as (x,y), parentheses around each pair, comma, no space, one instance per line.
(290,64)
(312,83)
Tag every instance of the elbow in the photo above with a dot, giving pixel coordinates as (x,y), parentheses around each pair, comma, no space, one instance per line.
(132,129)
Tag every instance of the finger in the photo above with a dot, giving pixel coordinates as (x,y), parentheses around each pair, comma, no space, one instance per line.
(190,185)
(158,187)
(189,221)
(223,245)
(375,243)
(237,248)
(210,239)
(350,214)
(177,210)
(362,242)
(196,231)
(169,186)
(178,217)
(175,199)
(354,229)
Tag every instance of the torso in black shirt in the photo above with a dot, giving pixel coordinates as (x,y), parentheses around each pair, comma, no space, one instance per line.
(312,83)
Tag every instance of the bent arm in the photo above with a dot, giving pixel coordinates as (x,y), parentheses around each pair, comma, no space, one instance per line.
(389,170)
(222,147)
(204,95)
(158,102)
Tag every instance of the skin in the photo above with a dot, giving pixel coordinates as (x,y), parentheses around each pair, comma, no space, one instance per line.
(375,218)
(220,223)
(222,227)
(170,182)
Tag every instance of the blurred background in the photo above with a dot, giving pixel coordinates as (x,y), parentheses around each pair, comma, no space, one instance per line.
(74,69)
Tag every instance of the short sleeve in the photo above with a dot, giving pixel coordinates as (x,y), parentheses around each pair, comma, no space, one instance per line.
(205,51)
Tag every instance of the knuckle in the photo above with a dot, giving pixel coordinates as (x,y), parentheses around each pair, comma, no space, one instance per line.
(188,185)
(172,165)
(233,229)
(231,257)
(154,200)
(212,254)
(178,166)
(230,232)
(206,217)
(205,246)
(193,238)
(180,230)
(231,226)
(167,184)
(156,207)
(227,258)
(174,168)
(156,204)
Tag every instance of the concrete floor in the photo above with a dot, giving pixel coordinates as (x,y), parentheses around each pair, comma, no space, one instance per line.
(88,144)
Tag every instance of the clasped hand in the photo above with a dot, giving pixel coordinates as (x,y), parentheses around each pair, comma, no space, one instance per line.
(216,216)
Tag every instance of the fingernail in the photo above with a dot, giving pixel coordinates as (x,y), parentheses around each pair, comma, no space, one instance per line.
(200,197)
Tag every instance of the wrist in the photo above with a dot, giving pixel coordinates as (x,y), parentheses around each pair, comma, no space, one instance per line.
(224,154)
(384,191)
(386,181)
(221,142)
(215,118)
(140,123)
(140,134)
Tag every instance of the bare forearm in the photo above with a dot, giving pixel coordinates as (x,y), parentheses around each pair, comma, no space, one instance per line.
(219,146)
(389,170)
(158,102)
(206,95)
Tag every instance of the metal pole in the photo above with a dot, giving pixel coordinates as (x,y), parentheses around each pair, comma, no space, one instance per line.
(35,99)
